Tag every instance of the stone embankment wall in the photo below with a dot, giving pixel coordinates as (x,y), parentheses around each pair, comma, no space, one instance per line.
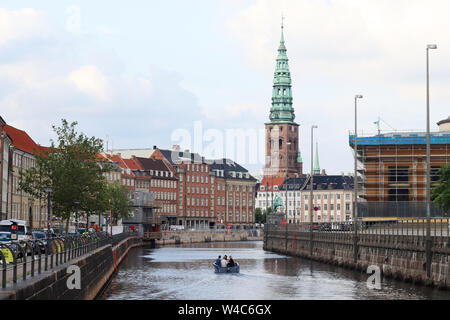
(398,256)
(96,268)
(179,237)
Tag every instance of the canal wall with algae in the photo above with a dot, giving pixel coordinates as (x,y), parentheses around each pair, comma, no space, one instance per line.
(398,256)
(199,236)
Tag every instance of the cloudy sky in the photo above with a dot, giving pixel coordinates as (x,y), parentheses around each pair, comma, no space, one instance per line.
(137,71)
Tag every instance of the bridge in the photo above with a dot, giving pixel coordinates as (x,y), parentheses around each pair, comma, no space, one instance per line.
(398,248)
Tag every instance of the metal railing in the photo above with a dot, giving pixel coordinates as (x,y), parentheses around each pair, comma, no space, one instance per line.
(401,209)
(440,227)
(31,257)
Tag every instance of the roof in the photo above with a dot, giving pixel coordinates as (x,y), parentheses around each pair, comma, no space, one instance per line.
(294,183)
(153,164)
(444,121)
(402,139)
(271,181)
(176,157)
(21,140)
(132,164)
(324,182)
(229,168)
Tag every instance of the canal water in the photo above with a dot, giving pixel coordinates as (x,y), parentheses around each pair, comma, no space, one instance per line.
(186,272)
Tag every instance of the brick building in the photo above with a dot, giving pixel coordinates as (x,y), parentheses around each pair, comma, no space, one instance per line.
(18,152)
(393,170)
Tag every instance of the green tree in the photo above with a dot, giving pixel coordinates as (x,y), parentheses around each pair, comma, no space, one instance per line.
(441,193)
(71,167)
(118,201)
(260,216)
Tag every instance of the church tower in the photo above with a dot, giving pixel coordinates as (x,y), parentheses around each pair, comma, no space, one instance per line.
(283,156)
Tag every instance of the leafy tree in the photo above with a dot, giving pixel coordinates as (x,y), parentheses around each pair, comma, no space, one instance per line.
(260,216)
(118,201)
(441,193)
(71,168)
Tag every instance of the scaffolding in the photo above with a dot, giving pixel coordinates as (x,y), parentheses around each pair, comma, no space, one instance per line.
(392,171)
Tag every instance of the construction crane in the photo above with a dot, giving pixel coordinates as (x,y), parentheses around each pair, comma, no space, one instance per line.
(378,123)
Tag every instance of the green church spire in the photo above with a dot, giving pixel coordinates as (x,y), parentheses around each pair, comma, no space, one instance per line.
(316,168)
(282,110)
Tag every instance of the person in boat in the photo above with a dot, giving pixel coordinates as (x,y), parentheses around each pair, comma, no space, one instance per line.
(224,262)
(219,261)
(231,262)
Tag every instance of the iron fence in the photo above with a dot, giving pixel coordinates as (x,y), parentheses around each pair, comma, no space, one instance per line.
(439,227)
(31,257)
(399,209)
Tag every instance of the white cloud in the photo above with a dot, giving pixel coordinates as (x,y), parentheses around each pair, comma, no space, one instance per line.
(373,40)
(90,80)
(57,78)
(22,24)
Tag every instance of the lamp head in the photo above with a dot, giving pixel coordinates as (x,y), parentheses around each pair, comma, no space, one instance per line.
(358,96)
(431,46)
(48,189)
(314,126)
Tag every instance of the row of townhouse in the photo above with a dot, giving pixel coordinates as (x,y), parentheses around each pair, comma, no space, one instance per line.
(195,192)
(333,196)
(189,190)
(17,153)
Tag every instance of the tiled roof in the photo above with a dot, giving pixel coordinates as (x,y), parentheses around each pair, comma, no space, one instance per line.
(175,157)
(325,182)
(229,166)
(21,140)
(271,181)
(130,163)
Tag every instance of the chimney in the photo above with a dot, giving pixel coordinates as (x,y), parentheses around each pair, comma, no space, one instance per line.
(154,147)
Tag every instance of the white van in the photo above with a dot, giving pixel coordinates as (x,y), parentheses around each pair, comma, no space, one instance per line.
(22,230)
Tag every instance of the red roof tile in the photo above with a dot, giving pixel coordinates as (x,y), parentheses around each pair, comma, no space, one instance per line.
(21,140)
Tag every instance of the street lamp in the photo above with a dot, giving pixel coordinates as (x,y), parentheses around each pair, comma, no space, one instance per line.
(355,183)
(48,190)
(30,214)
(311,194)
(77,203)
(428,185)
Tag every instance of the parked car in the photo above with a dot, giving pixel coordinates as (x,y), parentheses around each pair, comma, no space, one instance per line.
(325,226)
(5,237)
(22,230)
(39,235)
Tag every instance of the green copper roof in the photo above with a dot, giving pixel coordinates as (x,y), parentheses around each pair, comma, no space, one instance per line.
(282,110)
(316,168)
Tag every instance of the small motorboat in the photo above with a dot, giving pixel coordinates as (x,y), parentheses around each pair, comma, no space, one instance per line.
(218,269)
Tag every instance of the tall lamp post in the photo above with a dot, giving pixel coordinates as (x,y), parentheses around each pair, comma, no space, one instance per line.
(49,191)
(355,184)
(30,212)
(311,195)
(77,203)
(428,185)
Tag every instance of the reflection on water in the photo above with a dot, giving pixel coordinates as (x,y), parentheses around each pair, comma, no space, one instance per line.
(186,272)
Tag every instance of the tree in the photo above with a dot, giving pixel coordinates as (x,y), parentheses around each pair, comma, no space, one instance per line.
(441,193)
(260,216)
(118,201)
(71,167)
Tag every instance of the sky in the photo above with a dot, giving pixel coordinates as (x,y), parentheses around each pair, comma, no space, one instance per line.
(141,72)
